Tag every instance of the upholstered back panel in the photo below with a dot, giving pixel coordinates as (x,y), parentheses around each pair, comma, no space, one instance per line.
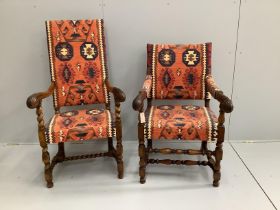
(77,61)
(178,71)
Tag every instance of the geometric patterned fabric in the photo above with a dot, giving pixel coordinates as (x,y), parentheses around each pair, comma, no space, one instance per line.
(80,125)
(178,71)
(186,122)
(77,61)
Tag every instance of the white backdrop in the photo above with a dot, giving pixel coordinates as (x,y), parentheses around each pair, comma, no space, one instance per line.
(129,25)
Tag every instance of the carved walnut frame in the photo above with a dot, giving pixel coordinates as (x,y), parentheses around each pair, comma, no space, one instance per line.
(35,102)
(226,106)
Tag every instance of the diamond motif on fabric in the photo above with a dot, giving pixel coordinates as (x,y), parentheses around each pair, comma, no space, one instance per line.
(165,115)
(166,78)
(66,74)
(191,78)
(91,72)
(67,122)
(191,57)
(166,57)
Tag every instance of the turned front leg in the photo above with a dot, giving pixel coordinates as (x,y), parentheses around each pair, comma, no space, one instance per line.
(219,149)
(60,156)
(150,144)
(119,148)
(110,146)
(43,144)
(48,169)
(142,153)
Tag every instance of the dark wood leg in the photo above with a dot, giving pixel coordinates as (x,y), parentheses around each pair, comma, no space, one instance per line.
(219,150)
(119,148)
(142,154)
(61,153)
(43,144)
(203,147)
(120,158)
(110,144)
(150,144)
(48,169)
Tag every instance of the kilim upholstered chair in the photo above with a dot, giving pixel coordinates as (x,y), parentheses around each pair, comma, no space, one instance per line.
(180,72)
(78,77)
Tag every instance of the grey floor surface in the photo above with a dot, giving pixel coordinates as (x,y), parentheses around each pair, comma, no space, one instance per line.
(250,180)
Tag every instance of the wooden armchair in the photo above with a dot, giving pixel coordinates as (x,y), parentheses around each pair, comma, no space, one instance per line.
(180,72)
(79,76)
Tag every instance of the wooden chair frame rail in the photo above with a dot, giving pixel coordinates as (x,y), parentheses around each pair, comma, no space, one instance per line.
(213,157)
(35,102)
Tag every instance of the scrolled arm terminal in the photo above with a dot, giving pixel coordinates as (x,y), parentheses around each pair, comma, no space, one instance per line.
(138,102)
(118,94)
(35,100)
(225,103)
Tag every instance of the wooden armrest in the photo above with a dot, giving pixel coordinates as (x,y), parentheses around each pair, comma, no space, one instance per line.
(35,99)
(225,103)
(119,95)
(138,102)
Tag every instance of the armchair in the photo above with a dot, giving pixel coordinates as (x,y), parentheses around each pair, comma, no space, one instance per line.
(79,77)
(180,72)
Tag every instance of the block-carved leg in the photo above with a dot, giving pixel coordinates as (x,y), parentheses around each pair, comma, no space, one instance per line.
(142,153)
(43,144)
(110,145)
(48,169)
(219,149)
(119,147)
(203,147)
(150,144)
(60,156)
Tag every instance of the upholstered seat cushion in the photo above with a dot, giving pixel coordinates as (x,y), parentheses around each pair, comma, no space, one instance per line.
(186,122)
(80,125)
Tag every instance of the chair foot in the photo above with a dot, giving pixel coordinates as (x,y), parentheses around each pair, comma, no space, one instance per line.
(49,178)
(216,184)
(120,169)
(142,180)
(142,173)
(49,184)
(217,177)
(120,176)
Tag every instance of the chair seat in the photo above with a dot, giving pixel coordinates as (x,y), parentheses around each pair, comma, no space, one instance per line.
(186,122)
(79,125)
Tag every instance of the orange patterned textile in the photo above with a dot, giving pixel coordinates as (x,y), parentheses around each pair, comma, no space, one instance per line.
(80,125)
(179,71)
(77,61)
(185,122)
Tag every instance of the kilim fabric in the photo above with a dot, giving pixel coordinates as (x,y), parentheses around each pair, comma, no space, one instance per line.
(179,71)
(77,61)
(186,122)
(80,125)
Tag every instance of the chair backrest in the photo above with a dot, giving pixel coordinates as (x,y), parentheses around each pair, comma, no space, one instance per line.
(178,71)
(77,61)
